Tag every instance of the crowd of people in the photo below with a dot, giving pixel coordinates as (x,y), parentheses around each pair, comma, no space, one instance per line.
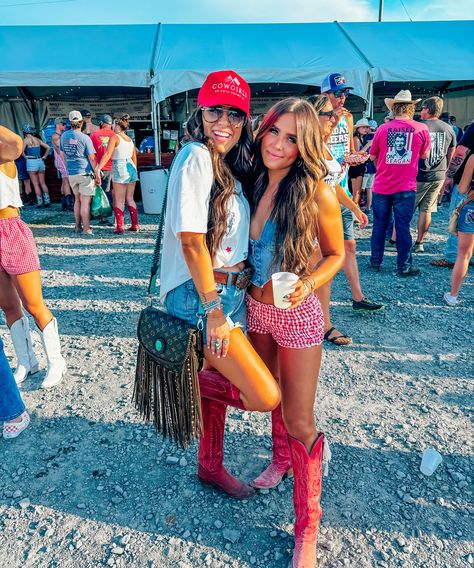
(85,155)
(245,204)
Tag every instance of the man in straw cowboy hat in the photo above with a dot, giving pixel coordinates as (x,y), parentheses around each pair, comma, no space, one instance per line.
(396,149)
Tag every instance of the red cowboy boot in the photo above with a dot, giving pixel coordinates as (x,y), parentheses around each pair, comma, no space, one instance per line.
(134,219)
(306,498)
(118,221)
(216,393)
(280,465)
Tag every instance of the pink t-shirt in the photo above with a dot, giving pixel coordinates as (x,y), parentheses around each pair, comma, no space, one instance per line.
(398,145)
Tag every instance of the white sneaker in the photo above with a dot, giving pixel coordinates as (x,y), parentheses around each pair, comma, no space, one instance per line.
(450,300)
(14,429)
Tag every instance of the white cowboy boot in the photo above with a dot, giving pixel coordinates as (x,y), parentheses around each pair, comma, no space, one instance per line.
(26,362)
(52,348)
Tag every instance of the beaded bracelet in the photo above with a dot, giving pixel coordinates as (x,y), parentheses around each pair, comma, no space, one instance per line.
(212,305)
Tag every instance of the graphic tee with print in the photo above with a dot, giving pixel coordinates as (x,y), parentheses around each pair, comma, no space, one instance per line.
(76,147)
(340,144)
(397,146)
(442,138)
(100,140)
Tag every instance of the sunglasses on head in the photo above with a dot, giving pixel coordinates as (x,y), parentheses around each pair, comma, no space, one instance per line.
(329,113)
(212,114)
(338,94)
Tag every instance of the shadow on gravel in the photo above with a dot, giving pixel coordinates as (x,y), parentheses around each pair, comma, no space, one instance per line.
(121,473)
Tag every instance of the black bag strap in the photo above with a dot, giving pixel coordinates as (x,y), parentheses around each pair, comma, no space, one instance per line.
(154,284)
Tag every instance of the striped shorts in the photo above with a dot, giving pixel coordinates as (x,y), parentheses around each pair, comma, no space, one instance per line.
(299,328)
(18,254)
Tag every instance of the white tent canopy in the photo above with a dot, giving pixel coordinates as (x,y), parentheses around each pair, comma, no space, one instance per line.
(77,55)
(270,53)
(416,51)
(176,58)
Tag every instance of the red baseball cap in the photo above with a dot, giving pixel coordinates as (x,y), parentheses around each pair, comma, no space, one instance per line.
(225,88)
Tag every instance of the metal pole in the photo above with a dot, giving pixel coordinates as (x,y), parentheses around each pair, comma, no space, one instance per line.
(155,124)
(380,10)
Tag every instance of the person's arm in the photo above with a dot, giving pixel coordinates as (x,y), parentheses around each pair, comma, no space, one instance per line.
(55,138)
(134,157)
(457,159)
(347,202)
(350,123)
(113,142)
(93,163)
(449,154)
(356,143)
(11,145)
(331,243)
(46,147)
(466,180)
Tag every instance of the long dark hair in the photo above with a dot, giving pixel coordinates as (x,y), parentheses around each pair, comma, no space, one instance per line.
(295,211)
(236,163)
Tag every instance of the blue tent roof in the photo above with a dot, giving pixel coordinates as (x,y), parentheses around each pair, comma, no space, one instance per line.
(76,55)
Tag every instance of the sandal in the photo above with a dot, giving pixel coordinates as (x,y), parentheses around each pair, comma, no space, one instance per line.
(442,262)
(337,339)
(14,429)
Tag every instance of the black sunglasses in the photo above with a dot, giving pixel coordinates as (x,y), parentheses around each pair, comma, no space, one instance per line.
(329,113)
(338,94)
(212,114)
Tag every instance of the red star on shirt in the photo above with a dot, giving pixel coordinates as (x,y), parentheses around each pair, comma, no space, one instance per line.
(229,249)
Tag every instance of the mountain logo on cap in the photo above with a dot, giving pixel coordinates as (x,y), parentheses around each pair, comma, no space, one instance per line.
(233,80)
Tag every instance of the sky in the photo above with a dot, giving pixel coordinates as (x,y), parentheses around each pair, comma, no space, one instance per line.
(63,12)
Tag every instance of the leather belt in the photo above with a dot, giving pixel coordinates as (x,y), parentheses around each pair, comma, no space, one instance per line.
(238,279)
(8,212)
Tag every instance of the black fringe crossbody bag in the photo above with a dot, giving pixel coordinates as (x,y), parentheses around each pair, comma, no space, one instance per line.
(170,354)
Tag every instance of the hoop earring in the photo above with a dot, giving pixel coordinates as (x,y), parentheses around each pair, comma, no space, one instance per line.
(299,162)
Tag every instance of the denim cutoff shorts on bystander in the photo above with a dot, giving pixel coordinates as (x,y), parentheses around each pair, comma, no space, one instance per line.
(124,171)
(184,303)
(466,219)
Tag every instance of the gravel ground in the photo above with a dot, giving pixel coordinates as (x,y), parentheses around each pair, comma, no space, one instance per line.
(88,484)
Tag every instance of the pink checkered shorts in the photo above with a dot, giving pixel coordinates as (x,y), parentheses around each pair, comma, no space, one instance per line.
(299,328)
(18,254)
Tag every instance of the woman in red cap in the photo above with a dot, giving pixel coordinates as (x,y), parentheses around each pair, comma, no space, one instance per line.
(203,274)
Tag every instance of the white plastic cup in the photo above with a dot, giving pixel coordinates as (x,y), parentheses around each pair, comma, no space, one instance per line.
(430,461)
(283,284)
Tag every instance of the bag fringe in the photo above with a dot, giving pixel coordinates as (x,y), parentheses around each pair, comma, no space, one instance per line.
(170,399)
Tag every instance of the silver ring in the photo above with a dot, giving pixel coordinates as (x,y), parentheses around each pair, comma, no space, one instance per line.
(225,342)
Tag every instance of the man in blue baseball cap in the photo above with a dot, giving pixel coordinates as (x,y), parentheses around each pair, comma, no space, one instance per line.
(341,145)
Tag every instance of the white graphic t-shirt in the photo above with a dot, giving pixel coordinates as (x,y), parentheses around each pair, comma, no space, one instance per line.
(340,144)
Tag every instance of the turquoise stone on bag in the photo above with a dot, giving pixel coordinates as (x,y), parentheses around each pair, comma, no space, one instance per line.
(158,345)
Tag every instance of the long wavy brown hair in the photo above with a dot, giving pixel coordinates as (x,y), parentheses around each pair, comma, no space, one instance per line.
(295,211)
(235,164)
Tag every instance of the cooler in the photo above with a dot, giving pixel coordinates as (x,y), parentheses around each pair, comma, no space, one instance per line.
(153,182)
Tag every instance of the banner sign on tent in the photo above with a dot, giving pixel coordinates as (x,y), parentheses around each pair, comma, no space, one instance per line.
(138,109)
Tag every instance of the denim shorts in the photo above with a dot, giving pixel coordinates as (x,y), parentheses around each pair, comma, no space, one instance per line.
(348,224)
(466,219)
(183,302)
(124,171)
(35,165)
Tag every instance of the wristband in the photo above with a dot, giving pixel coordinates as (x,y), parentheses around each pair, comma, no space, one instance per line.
(212,305)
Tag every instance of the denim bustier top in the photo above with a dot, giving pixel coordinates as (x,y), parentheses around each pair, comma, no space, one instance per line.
(262,253)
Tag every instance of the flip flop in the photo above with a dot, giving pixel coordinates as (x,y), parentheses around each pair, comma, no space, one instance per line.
(334,340)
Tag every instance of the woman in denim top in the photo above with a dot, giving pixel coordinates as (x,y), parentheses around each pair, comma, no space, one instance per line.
(296,227)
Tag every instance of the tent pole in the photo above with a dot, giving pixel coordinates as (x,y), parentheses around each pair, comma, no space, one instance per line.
(155,124)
